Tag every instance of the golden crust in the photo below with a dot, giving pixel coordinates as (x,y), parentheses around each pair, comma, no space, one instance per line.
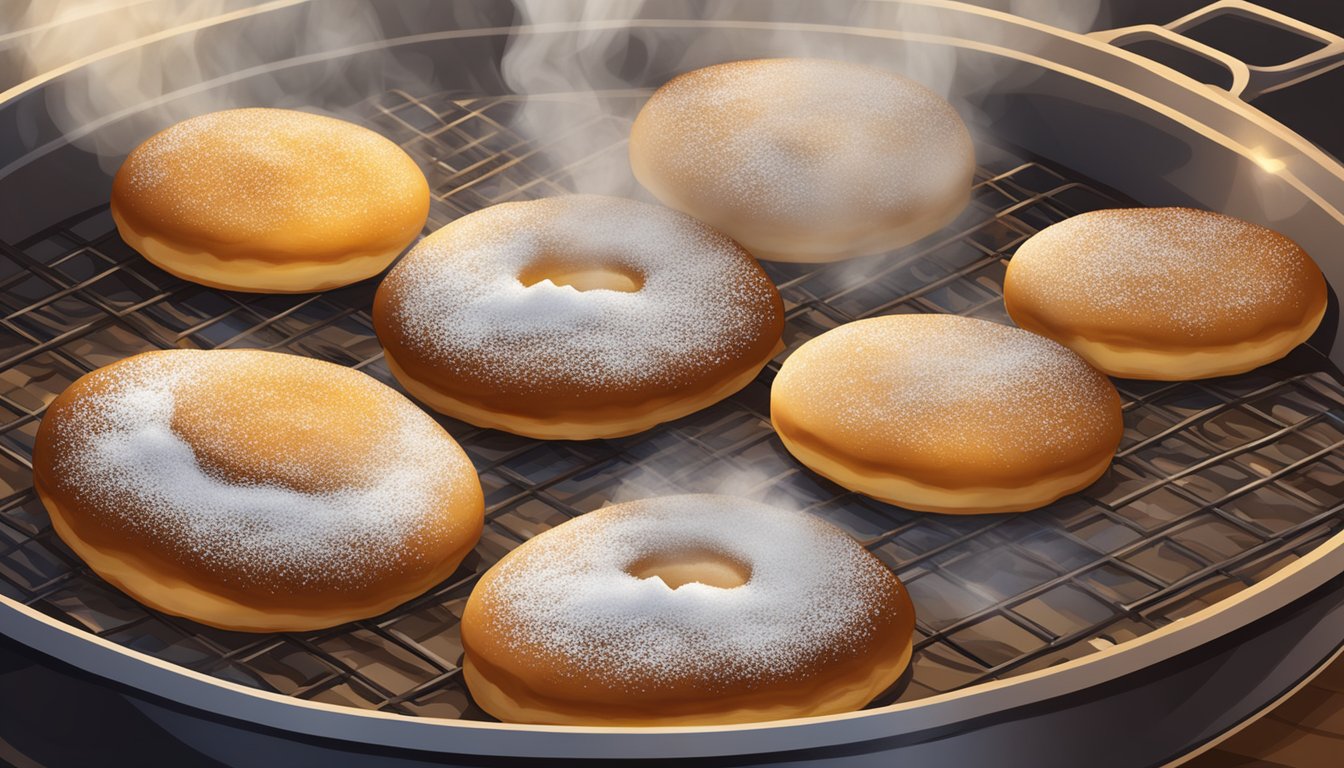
(249,274)
(511,700)
(164,587)
(269,423)
(961,500)
(1183,364)
(521,672)
(583,423)
(805,160)
(1166,293)
(269,200)
(946,414)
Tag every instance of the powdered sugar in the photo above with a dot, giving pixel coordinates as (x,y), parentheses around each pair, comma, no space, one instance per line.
(813,593)
(460,301)
(1183,270)
(807,140)
(944,380)
(118,452)
(263,170)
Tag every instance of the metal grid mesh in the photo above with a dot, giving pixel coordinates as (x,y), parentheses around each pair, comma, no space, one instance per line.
(1217,484)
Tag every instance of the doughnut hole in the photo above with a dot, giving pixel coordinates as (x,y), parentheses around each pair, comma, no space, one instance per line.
(582,277)
(678,568)
(510,318)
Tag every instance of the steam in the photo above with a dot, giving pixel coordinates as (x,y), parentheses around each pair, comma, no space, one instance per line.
(667,476)
(1073,15)
(137,66)
(601,72)
(584,87)
(147,64)
(599,77)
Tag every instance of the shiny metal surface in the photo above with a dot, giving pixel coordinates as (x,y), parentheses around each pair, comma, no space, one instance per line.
(1220,485)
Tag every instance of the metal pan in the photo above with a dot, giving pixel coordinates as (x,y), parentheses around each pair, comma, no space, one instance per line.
(1182,593)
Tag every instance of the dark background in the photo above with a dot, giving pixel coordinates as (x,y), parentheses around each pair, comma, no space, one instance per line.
(1314,108)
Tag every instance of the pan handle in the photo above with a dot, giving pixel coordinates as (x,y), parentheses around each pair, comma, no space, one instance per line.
(1248,81)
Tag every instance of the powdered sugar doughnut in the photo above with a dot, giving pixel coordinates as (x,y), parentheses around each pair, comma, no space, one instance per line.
(684,610)
(946,414)
(254,491)
(269,200)
(576,317)
(1166,293)
(805,159)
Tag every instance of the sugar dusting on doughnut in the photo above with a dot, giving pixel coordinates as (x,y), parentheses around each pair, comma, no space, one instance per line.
(459,298)
(1199,269)
(949,380)
(801,144)
(810,595)
(125,458)
(926,377)
(179,169)
(805,160)
(948,414)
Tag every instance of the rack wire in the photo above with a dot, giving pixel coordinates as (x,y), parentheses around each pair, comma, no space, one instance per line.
(1217,483)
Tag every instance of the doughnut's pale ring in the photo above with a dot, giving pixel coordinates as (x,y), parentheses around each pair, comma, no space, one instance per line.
(576,317)
(254,491)
(684,610)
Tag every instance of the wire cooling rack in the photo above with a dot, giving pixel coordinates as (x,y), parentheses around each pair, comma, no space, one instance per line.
(1217,483)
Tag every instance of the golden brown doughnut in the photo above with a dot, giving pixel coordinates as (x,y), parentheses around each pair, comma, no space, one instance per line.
(576,317)
(269,200)
(684,610)
(805,159)
(942,413)
(254,491)
(1166,293)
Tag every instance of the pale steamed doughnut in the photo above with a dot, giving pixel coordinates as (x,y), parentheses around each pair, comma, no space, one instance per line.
(269,200)
(576,317)
(1166,293)
(942,413)
(254,491)
(805,160)
(684,610)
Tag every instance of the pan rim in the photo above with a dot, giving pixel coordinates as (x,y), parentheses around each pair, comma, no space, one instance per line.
(221,697)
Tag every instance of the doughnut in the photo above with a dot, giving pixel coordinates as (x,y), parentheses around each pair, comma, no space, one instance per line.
(269,201)
(805,160)
(254,491)
(684,610)
(576,317)
(941,413)
(1166,293)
